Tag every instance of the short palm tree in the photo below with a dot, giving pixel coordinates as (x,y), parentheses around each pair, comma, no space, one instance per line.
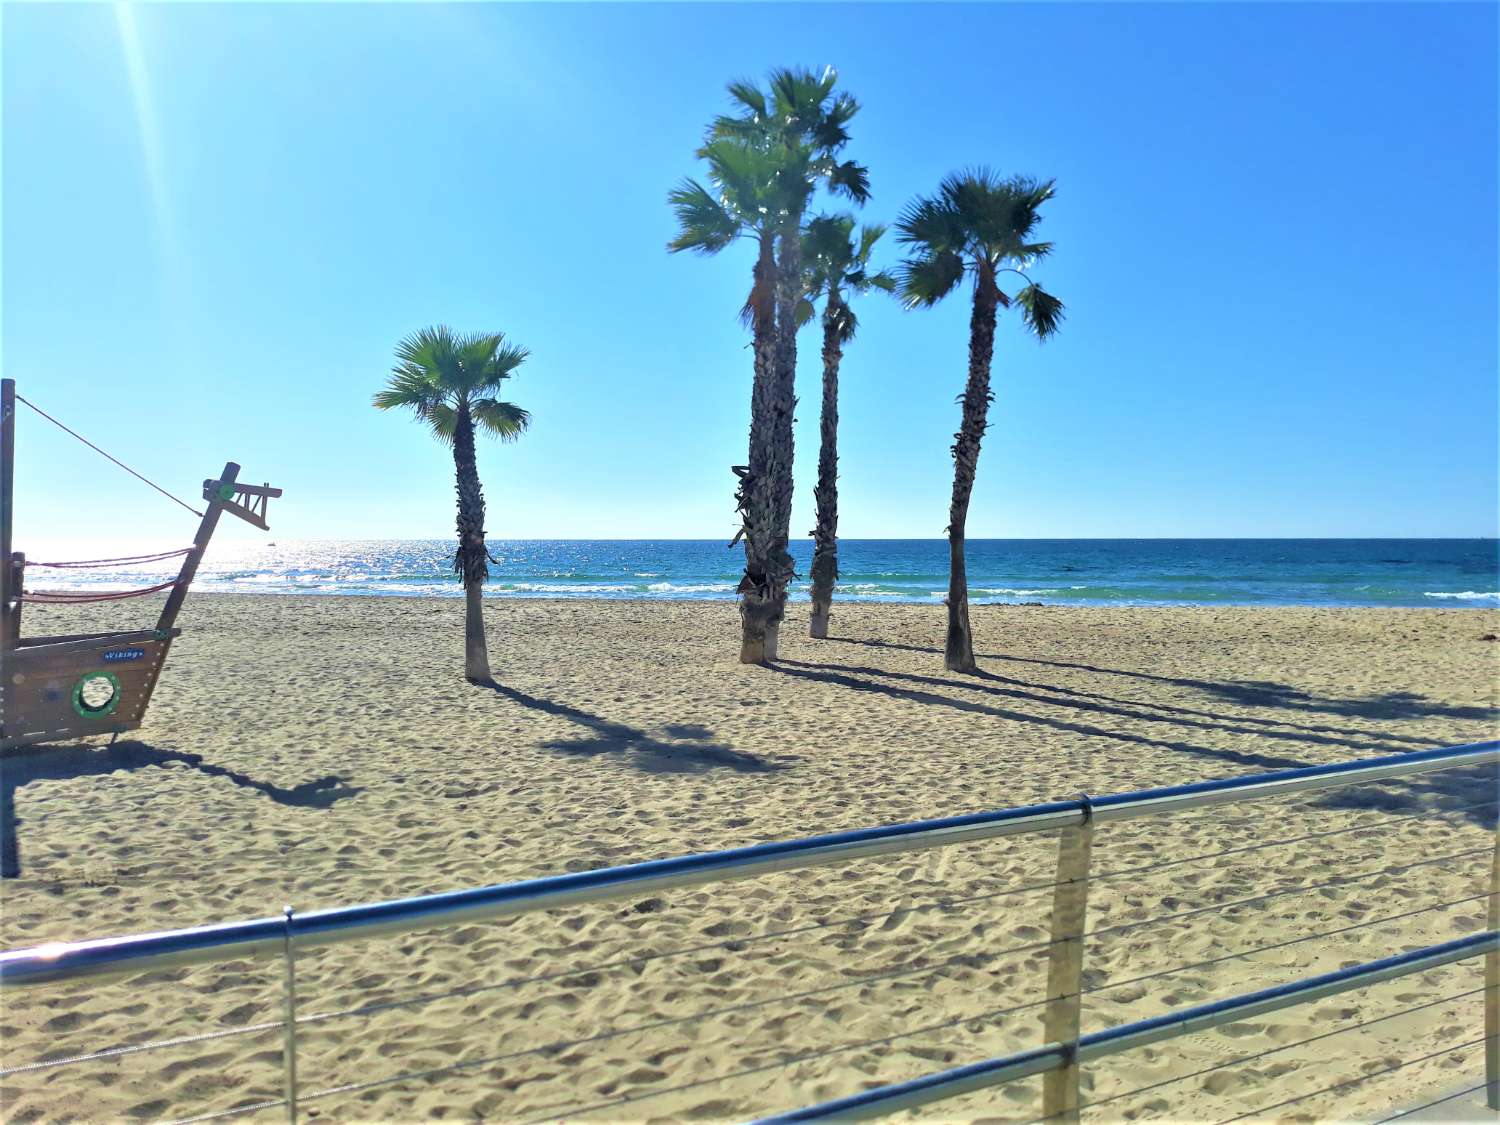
(977,225)
(836,267)
(765,161)
(450,381)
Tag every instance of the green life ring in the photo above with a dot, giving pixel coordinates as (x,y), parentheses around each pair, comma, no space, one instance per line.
(106,708)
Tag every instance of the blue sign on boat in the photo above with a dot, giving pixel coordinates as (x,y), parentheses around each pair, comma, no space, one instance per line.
(124,654)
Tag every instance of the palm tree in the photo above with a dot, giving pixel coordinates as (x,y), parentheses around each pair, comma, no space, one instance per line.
(836,267)
(745,203)
(450,381)
(980,225)
(766,160)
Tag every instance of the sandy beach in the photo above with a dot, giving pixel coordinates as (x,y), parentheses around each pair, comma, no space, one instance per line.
(325,751)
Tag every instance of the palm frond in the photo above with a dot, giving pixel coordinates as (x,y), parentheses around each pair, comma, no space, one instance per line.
(885,281)
(442,420)
(850,179)
(704,224)
(927,279)
(433,350)
(798,94)
(408,388)
(932,225)
(506,358)
(747,94)
(1031,253)
(1040,310)
(832,130)
(504,420)
(845,323)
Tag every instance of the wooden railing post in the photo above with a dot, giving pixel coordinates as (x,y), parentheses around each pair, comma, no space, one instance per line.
(1064,1013)
(289,1009)
(8,629)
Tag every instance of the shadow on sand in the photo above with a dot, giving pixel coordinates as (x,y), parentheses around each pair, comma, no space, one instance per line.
(1472,792)
(691,750)
(59,763)
(1395,705)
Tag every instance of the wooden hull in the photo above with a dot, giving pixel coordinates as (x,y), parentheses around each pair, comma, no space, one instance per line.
(56,688)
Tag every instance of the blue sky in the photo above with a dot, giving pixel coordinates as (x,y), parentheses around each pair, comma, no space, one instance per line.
(1275,226)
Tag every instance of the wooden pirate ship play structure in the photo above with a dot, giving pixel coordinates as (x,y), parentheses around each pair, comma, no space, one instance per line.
(93,683)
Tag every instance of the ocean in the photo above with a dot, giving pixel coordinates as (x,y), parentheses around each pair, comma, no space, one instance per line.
(1326,572)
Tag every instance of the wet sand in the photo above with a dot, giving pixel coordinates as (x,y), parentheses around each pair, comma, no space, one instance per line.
(322,752)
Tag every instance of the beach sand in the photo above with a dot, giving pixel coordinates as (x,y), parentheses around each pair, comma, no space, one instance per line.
(322,752)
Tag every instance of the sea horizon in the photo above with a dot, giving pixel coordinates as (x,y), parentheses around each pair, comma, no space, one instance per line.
(1332,571)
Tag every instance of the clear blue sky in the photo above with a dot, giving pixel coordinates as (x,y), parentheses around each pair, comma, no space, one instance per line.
(1275,226)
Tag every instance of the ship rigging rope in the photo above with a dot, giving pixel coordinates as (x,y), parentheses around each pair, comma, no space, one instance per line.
(70,598)
(160,556)
(116,460)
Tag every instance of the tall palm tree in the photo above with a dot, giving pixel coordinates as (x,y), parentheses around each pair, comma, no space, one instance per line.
(745,203)
(836,267)
(977,225)
(450,381)
(765,161)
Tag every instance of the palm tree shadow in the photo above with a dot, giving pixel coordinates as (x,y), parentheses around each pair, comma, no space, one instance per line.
(828,674)
(60,763)
(1472,792)
(1395,705)
(1469,792)
(1087,703)
(690,751)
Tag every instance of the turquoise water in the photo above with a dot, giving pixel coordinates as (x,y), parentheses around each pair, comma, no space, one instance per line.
(1367,572)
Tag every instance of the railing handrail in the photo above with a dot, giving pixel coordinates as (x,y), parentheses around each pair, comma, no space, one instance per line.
(270,936)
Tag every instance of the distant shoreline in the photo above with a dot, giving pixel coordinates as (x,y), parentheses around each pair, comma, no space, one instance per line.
(731,603)
(1385,572)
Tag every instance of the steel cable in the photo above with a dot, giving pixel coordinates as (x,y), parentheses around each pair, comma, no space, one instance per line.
(1284,944)
(1383,823)
(1263,1054)
(1354,1081)
(1429,1105)
(356,1087)
(136,1048)
(562,974)
(1126,926)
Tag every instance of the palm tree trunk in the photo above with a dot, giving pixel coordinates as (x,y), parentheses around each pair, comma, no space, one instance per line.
(471,560)
(758,604)
(958,650)
(789,293)
(825,564)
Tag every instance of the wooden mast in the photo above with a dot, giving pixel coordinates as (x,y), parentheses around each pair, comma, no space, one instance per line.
(214,491)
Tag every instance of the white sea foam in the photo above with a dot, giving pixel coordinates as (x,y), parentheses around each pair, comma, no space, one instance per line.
(1465,595)
(563,588)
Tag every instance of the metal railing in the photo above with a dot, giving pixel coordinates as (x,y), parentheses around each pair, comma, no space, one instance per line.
(1059,1060)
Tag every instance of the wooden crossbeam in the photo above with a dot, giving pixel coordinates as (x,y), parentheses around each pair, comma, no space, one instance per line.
(247,501)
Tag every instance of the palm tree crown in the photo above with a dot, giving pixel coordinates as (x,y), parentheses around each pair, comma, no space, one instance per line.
(747,202)
(438,373)
(978,224)
(836,265)
(802,126)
